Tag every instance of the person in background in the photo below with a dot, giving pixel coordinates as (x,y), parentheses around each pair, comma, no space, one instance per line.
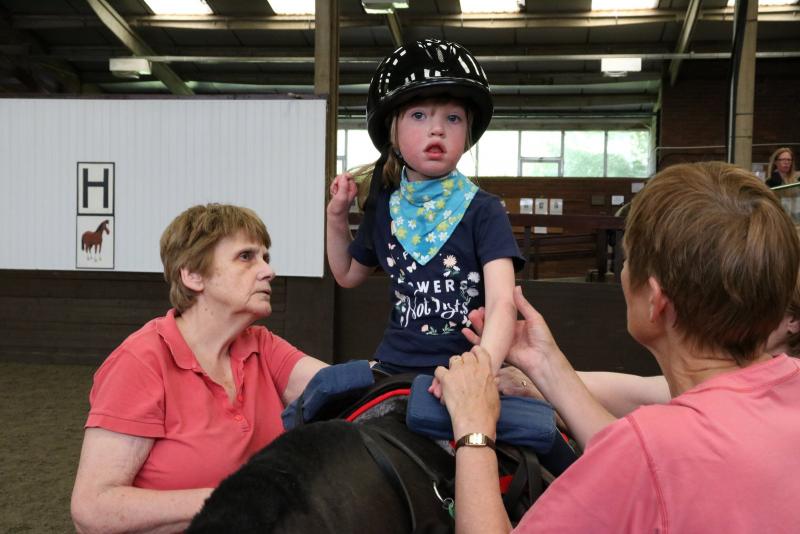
(712,261)
(187,399)
(781,168)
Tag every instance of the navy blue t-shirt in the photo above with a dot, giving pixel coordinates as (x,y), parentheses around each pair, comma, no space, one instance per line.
(431,301)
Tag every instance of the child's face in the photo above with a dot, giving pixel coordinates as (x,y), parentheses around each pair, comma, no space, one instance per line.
(431,136)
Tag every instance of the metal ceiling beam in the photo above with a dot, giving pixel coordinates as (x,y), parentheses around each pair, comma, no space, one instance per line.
(297,60)
(97,53)
(393,22)
(685,36)
(543,101)
(355,81)
(116,23)
(103,53)
(584,19)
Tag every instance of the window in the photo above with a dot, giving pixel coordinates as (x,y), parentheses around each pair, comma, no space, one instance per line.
(583,153)
(498,154)
(628,153)
(536,153)
(540,153)
(354,149)
(546,169)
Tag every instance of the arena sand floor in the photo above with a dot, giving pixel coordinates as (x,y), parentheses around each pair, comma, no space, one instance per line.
(42,411)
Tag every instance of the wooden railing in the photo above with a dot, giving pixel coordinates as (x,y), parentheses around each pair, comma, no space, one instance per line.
(563,231)
(573,229)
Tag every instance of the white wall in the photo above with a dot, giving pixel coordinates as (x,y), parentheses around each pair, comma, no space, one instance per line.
(168,154)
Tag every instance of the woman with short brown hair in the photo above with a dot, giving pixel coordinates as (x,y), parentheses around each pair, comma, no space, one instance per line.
(188,398)
(712,262)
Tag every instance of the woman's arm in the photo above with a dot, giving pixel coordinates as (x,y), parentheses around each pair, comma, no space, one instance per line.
(304,370)
(472,401)
(536,354)
(347,271)
(621,393)
(103,499)
(618,393)
(501,314)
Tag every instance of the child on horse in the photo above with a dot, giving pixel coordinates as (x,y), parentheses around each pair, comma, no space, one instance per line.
(446,245)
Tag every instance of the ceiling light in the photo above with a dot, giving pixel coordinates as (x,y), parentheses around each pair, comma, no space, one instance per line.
(383,7)
(129,67)
(768,2)
(493,6)
(620,66)
(179,7)
(292,7)
(623,5)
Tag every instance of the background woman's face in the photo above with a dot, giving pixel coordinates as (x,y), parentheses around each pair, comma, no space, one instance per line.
(784,162)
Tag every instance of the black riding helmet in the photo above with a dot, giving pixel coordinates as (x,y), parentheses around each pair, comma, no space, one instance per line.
(427,68)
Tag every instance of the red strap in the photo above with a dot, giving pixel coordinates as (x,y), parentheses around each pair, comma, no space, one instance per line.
(377,400)
(505,482)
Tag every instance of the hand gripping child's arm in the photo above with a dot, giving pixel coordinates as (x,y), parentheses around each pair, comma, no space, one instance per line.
(501,314)
(347,271)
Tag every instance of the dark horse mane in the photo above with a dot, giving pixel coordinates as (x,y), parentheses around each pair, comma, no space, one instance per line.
(321,478)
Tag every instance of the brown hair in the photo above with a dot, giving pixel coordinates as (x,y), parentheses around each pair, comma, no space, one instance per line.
(722,248)
(774,156)
(189,240)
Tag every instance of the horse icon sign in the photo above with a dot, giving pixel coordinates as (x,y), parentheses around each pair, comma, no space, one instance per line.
(94,236)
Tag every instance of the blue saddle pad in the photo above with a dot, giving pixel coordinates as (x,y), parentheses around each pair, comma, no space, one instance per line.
(329,384)
(523,421)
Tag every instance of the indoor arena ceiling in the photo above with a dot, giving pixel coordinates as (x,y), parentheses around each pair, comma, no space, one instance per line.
(545,59)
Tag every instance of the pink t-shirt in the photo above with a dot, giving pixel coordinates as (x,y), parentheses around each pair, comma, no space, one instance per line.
(721,457)
(152,386)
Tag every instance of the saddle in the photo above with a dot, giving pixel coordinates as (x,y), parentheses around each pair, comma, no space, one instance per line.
(530,450)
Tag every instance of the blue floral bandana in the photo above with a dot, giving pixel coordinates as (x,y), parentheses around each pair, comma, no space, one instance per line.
(425,214)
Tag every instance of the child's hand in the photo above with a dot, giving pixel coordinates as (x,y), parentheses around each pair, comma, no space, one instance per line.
(477,319)
(343,190)
(435,388)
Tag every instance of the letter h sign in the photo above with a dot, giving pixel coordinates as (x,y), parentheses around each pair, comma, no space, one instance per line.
(95,188)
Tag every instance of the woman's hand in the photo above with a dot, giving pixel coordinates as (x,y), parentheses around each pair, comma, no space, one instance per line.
(512,381)
(534,350)
(470,394)
(343,190)
(532,346)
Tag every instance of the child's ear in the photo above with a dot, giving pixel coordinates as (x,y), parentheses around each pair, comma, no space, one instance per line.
(193,281)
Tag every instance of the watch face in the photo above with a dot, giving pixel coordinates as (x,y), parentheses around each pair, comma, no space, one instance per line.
(476,440)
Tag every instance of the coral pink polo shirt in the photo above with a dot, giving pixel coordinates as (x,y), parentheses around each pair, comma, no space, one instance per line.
(152,386)
(721,457)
